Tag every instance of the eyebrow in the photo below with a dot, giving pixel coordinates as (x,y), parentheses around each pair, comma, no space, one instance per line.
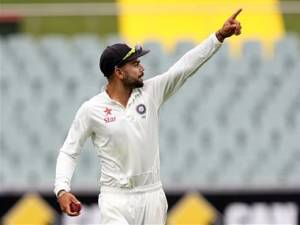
(135,61)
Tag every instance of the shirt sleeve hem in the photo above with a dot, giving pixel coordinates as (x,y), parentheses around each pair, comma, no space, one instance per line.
(61,187)
(215,39)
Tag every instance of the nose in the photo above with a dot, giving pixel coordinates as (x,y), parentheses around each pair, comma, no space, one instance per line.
(142,68)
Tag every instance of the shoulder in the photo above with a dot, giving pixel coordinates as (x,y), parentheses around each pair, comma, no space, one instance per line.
(149,82)
(95,100)
(155,82)
(87,106)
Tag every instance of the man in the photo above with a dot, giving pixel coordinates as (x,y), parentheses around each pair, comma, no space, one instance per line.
(123,124)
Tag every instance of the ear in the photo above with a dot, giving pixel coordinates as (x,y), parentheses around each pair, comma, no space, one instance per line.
(119,73)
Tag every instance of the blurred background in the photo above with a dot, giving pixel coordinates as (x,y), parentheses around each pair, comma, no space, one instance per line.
(230,138)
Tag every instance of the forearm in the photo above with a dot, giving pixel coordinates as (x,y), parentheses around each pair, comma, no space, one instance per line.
(163,86)
(65,167)
(196,57)
(188,64)
(71,149)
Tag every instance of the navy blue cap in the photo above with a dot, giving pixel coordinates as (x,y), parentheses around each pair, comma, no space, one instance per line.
(118,55)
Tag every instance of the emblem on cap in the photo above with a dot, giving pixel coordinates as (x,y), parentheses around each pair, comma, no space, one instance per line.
(141,108)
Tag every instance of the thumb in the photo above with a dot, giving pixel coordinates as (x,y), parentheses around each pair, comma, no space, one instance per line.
(75,200)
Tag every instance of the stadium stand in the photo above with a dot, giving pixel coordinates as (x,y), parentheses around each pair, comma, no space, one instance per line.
(235,124)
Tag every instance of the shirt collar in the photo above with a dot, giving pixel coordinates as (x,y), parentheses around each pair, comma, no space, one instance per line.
(134,94)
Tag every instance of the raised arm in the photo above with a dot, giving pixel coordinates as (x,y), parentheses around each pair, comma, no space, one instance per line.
(161,87)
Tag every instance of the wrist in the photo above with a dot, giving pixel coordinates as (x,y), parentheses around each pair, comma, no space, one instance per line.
(61,193)
(221,37)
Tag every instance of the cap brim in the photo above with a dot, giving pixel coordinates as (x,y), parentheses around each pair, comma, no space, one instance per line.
(137,55)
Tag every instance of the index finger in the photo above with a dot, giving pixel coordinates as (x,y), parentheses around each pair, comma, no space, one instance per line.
(236,13)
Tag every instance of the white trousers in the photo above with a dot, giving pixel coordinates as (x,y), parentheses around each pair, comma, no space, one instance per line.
(147,206)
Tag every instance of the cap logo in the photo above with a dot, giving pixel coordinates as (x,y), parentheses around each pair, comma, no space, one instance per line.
(132,51)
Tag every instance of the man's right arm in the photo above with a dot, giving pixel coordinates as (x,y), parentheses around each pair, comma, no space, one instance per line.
(67,158)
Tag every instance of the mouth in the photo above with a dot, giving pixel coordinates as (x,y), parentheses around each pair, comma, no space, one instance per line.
(141,76)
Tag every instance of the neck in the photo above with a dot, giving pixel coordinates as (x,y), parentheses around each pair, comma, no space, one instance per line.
(118,92)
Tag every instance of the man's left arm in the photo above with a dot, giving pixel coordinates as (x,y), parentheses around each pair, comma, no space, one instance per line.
(163,86)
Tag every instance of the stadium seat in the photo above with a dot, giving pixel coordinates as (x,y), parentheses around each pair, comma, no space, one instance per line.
(155,63)
(252,53)
(225,128)
(181,48)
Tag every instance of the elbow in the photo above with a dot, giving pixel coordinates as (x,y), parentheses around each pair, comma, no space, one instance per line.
(67,153)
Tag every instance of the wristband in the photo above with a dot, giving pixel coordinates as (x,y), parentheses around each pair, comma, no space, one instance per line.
(222,35)
(60,193)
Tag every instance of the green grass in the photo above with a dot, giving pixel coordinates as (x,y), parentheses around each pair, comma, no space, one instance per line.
(101,25)
(291,23)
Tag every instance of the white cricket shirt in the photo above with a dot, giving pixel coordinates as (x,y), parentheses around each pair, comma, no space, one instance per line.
(127,138)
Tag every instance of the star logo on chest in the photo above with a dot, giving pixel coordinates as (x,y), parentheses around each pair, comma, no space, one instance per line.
(108,116)
(107,111)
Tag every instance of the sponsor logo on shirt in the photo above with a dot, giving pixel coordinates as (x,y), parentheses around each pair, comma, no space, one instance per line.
(108,115)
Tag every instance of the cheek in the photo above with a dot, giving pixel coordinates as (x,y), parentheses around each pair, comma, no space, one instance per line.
(133,74)
(128,78)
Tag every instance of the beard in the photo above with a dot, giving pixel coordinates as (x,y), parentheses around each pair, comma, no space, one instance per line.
(132,82)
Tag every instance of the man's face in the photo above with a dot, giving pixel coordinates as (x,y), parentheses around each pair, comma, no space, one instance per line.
(133,73)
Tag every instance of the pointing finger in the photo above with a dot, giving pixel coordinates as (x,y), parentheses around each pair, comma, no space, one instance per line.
(236,13)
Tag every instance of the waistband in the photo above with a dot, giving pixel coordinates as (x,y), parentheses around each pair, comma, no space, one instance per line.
(139,189)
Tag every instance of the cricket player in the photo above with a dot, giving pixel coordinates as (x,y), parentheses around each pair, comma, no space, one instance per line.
(122,122)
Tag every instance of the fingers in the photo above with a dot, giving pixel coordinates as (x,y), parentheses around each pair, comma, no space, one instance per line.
(70,212)
(234,15)
(237,32)
(238,29)
(66,202)
(75,206)
(67,210)
(75,200)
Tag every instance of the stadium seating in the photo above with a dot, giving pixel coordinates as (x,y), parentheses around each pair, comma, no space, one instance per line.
(235,124)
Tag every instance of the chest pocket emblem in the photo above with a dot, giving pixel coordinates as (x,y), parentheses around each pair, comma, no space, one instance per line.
(108,117)
(141,109)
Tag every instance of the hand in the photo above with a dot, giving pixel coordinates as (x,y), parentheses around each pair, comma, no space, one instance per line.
(230,27)
(66,200)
